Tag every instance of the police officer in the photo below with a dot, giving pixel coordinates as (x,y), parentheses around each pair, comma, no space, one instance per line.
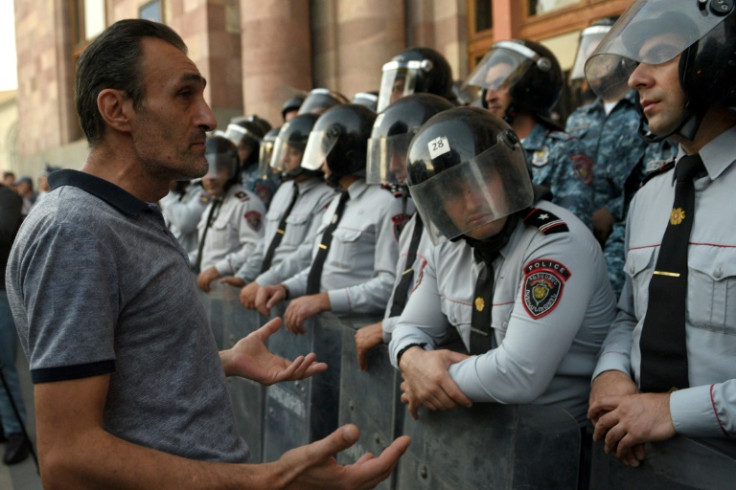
(247,132)
(182,209)
(320,100)
(521,279)
(415,70)
(290,107)
(231,224)
(522,82)
(355,252)
(293,218)
(667,367)
(387,148)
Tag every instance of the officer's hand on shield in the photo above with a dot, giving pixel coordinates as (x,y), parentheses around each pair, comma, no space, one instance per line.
(303,308)
(249,358)
(428,382)
(367,338)
(248,295)
(314,466)
(206,277)
(268,296)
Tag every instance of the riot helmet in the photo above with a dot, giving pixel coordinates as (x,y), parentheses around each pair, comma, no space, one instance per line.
(246,132)
(265,152)
(339,139)
(221,153)
(321,99)
(415,70)
(467,171)
(290,145)
(529,71)
(368,99)
(653,32)
(590,37)
(393,130)
(292,104)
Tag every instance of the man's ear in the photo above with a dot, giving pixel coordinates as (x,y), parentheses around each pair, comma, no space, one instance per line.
(115,108)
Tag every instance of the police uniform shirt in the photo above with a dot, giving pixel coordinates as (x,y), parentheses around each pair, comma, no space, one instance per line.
(236,228)
(552,307)
(425,244)
(182,214)
(296,244)
(708,407)
(360,266)
(558,161)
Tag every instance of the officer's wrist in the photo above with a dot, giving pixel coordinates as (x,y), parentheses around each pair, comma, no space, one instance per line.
(286,290)
(405,349)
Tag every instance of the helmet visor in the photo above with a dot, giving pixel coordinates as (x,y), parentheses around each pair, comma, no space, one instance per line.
(286,157)
(236,133)
(398,79)
(650,32)
(589,40)
(319,146)
(217,161)
(265,151)
(386,161)
(466,197)
(502,66)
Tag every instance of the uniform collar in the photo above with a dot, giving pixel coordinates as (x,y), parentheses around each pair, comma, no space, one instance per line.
(535,139)
(717,155)
(357,188)
(308,184)
(113,195)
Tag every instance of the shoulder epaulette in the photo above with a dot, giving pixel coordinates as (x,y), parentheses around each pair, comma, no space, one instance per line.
(561,135)
(242,196)
(548,223)
(664,168)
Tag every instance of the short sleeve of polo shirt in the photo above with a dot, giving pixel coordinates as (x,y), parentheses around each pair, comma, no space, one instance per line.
(70,291)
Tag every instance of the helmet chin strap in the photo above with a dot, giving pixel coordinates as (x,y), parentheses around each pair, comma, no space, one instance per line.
(686,127)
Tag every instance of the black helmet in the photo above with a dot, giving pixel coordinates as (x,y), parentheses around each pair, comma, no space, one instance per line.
(368,99)
(533,76)
(265,152)
(321,99)
(292,142)
(292,104)
(247,131)
(340,137)
(703,32)
(393,130)
(220,152)
(415,70)
(466,169)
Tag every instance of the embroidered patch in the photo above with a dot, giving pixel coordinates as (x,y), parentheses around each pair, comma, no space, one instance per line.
(583,167)
(242,196)
(399,220)
(262,191)
(253,218)
(544,282)
(540,157)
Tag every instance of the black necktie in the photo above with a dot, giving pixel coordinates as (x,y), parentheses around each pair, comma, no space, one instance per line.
(402,289)
(480,321)
(276,241)
(314,279)
(210,218)
(662,343)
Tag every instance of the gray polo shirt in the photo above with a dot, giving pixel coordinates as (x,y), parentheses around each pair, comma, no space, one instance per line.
(98,285)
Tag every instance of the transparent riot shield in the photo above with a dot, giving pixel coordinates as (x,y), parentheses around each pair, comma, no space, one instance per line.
(214,306)
(299,412)
(491,446)
(677,464)
(371,400)
(248,397)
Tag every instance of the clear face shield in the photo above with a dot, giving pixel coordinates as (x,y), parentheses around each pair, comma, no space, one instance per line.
(265,151)
(399,79)
(651,32)
(386,159)
(502,66)
(589,40)
(236,133)
(286,157)
(220,161)
(468,197)
(319,146)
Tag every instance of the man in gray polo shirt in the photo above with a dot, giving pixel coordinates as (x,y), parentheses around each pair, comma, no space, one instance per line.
(128,385)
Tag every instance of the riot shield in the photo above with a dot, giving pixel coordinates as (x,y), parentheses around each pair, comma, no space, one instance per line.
(677,464)
(491,446)
(216,309)
(299,412)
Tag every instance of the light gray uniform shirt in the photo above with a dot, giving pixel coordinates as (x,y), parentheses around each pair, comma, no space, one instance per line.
(183,212)
(360,266)
(301,228)
(236,228)
(708,407)
(552,307)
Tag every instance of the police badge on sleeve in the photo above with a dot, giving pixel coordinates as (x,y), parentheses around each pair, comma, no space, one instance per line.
(544,282)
